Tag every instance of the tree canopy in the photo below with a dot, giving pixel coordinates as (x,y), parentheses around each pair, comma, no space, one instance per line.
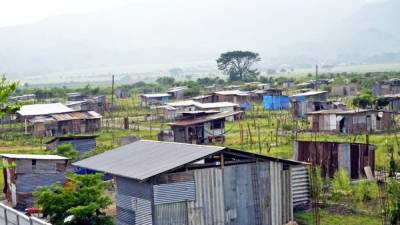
(82,201)
(238,65)
(363,100)
(6,89)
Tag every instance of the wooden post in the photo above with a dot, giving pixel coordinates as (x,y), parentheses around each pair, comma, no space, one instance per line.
(222,161)
(259,140)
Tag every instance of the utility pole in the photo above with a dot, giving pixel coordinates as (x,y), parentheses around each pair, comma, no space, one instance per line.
(112,93)
(316,77)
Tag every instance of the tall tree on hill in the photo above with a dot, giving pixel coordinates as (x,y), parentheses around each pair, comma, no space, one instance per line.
(6,89)
(238,64)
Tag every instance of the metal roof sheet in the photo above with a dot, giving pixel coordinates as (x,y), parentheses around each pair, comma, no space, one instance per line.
(309,93)
(204,119)
(76,116)
(144,159)
(32,156)
(43,109)
(232,92)
(157,95)
(216,105)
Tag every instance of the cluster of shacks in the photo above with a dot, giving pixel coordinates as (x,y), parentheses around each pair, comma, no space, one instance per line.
(177,184)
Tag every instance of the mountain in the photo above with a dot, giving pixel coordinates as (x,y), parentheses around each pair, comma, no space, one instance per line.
(176,32)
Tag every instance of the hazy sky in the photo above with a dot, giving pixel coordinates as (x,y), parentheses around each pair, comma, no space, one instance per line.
(14,12)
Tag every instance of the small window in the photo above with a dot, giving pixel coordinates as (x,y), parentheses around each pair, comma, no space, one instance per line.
(33,163)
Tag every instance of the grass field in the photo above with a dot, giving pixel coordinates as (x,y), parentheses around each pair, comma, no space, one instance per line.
(327,218)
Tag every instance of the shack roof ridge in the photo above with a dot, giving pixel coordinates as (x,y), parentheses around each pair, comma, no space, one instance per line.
(33,156)
(180,143)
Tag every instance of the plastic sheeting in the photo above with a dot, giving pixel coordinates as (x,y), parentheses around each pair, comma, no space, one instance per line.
(276,102)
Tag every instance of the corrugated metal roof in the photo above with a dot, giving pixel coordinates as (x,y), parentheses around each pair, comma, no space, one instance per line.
(43,109)
(232,92)
(31,156)
(204,119)
(144,159)
(201,97)
(76,116)
(175,89)
(309,93)
(67,138)
(158,95)
(341,111)
(182,103)
(216,105)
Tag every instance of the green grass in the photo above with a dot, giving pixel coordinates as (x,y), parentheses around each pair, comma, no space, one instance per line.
(334,219)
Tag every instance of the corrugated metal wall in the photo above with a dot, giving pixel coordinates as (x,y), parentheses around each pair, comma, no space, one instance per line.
(209,205)
(134,202)
(333,156)
(300,185)
(171,214)
(245,194)
(81,145)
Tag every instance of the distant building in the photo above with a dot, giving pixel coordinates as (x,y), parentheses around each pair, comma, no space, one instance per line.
(203,98)
(66,123)
(29,111)
(302,103)
(346,90)
(258,95)
(235,96)
(264,86)
(177,93)
(394,102)
(334,156)
(148,100)
(350,121)
(23,174)
(23,97)
(82,144)
(95,103)
(387,87)
(122,93)
(201,129)
(272,102)
(174,183)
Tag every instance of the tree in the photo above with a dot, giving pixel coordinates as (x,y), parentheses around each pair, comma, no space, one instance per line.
(67,150)
(237,64)
(363,100)
(165,81)
(6,89)
(82,201)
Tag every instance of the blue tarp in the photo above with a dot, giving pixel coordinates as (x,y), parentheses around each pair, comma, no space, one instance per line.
(275,102)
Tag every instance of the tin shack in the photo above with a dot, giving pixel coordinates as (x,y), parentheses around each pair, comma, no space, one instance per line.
(202,129)
(24,173)
(345,90)
(82,144)
(148,100)
(302,103)
(177,93)
(66,123)
(122,93)
(179,184)
(387,87)
(350,121)
(236,96)
(334,156)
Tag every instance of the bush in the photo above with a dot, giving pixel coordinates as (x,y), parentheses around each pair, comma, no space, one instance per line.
(366,191)
(341,187)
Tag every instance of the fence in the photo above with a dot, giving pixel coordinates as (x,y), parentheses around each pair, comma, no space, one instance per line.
(10,216)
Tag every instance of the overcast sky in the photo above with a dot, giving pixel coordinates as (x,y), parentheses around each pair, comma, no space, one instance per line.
(15,12)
